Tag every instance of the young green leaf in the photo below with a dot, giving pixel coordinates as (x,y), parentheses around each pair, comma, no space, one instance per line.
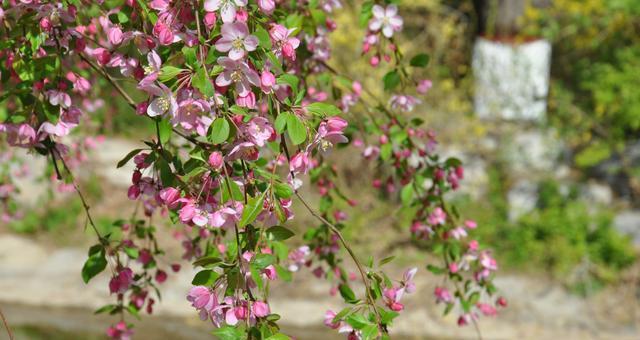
(279,233)
(219,131)
(252,209)
(420,60)
(296,129)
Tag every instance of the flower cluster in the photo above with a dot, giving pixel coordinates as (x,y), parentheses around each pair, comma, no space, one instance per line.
(239,94)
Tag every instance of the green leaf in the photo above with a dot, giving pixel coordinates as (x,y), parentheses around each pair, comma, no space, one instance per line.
(255,275)
(436,270)
(323,109)
(202,82)
(128,157)
(365,13)
(289,79)
(385,151)
(278,336)
(357,321)
(406,195)
(420,60)
(391,80)
(347,293)
(474,298)
(283,273)
(169,72)
(263,37)
(279,233)
(282,190)
(262,261)
(369,332)
(205,278)
(344,312)
(228,333)
(189,54)
(132,252)
(219,131)
(164,130)
(252,209)
(105,309)
(281,122)
(385,260)
(296,129)
(206,260)
(95,264)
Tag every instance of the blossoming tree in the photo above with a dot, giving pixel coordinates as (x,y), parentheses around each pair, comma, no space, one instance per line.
(245,105)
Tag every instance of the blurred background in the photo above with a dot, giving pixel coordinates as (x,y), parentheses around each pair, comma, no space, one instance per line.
(541,101)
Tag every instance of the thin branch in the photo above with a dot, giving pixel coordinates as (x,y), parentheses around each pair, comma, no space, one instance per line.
(336,231)
(6,325)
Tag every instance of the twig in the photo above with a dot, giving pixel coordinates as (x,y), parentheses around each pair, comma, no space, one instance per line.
(337,232)
(6,325)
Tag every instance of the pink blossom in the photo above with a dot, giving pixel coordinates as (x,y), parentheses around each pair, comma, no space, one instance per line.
(215,160)
(193,115)
(267,6)
(407,280)
(465,319)
(170,197)
(473,245)
(392,299)
(260,309)
(267,81)
(115,35)
(387,19)
(164,102)
(424,86)
(237,72)
(236,40)
(60,98)
(22,135)
(458,233)
(471,224)
(283,43)
(298,257)
(248,100)
(243,150)
(121,282)
(203,299)
(404,103)
(442,295)
(487,309)
(227,8)
(120,331)
(300,163)
(328,319)
(437,217)
(161,276)
(259,130)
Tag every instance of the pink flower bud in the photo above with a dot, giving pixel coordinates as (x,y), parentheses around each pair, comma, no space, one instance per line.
(260,309)
(242,15)
(115,35)
(133,192)
(453,267)
(161,276)
(424,86)
(267,80)
(215,160)
(336,124)
(45,24)
(210,20)
(374,61)
(266,6)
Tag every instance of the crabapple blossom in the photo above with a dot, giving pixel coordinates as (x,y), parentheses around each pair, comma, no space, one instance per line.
(386,19)
(236,40)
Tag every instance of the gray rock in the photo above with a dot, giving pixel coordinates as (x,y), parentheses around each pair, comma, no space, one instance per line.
(628,223)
